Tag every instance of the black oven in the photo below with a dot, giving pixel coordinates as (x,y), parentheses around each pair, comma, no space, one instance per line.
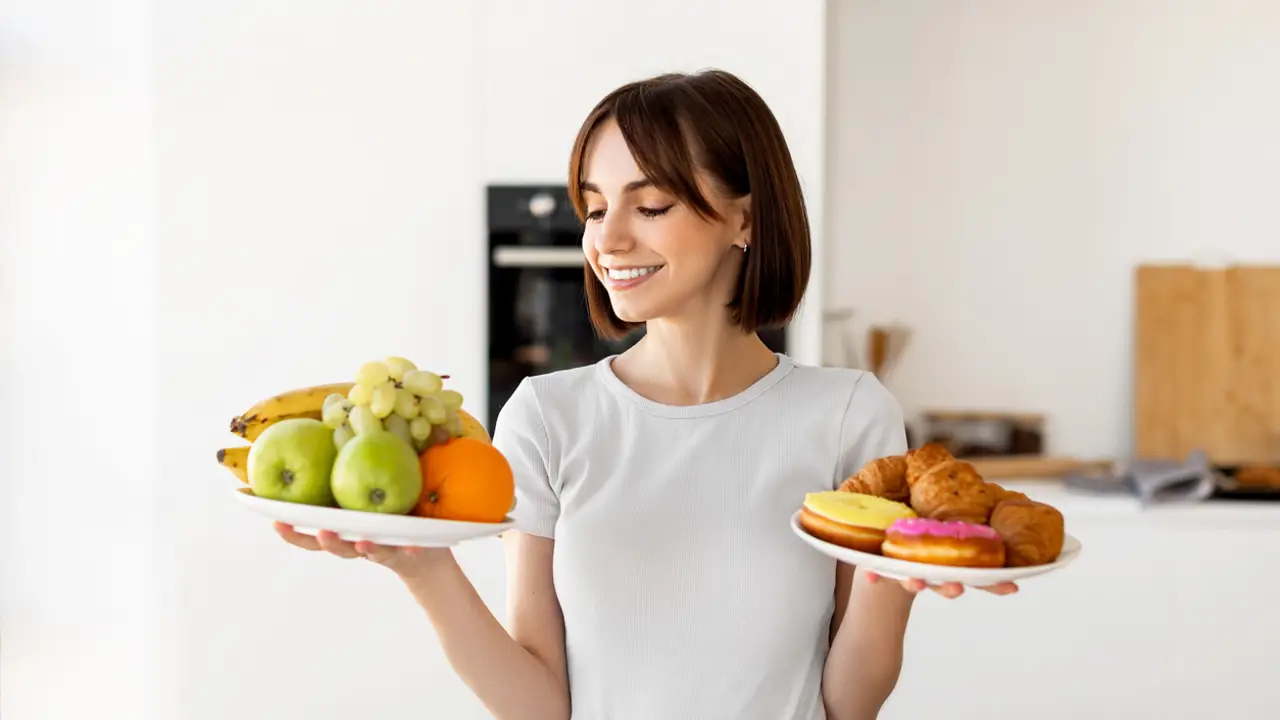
(538,320)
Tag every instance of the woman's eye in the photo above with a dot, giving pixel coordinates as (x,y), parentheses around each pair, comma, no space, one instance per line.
(653,212)
(595,215)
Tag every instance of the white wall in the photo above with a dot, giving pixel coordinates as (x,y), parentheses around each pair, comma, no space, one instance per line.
(997,168)
(77,362)
(319,205)
(546,64)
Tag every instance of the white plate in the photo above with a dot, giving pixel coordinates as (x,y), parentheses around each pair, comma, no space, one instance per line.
(935,574)
(380,528)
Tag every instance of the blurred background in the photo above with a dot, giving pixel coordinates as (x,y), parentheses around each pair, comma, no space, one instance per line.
(1051,227)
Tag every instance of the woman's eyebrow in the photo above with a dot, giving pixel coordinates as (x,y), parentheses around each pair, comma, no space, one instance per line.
(629,187)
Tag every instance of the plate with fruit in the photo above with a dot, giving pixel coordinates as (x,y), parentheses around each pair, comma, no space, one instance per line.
(929,516)
(392,458)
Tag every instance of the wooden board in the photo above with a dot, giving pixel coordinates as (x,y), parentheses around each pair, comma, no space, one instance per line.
(1207,363)
(1035,467)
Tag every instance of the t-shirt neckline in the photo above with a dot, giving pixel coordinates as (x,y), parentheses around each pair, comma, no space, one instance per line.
(604,368)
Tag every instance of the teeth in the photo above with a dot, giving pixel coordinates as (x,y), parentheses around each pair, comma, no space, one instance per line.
(631,273)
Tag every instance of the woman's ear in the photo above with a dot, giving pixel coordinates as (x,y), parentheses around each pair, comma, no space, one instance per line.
(744,212)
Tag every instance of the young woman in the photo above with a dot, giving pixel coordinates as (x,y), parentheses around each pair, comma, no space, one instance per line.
(654,574)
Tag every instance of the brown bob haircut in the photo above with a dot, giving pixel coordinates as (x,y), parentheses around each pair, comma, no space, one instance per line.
(676,124)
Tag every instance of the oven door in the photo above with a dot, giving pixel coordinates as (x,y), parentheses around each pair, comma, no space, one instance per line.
(538,317)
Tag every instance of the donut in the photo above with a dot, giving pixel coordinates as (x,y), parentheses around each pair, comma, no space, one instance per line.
(937,542)
(851,520)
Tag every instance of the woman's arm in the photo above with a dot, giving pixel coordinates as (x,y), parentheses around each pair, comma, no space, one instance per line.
(868,630)
(519,673)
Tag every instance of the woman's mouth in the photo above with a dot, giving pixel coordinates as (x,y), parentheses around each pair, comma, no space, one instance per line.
(625,278)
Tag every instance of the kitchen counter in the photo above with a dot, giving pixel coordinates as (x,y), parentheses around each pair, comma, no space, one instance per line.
(1086,505)
(1168,612)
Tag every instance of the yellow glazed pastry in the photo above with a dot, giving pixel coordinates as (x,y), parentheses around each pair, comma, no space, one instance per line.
(853,520)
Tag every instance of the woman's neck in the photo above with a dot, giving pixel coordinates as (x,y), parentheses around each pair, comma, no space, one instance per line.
(679,363)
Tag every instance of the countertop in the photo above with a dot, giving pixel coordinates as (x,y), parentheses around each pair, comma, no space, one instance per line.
(1081,505)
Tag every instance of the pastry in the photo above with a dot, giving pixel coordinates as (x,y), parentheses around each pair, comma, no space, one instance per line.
(1033,532)
(885,477)
(936,542)
(852,520)
(923,458)
(1001,494)
(953,490)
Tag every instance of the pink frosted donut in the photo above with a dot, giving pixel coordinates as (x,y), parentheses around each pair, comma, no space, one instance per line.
(936,542)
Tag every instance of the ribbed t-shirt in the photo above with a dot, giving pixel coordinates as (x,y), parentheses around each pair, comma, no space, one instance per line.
(685,592)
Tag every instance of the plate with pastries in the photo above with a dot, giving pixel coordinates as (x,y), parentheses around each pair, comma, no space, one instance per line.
(928,515)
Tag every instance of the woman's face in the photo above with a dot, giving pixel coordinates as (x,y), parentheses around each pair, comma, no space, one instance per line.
(656,256)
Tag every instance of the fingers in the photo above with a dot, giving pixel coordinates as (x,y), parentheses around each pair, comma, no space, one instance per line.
(1005,588)
(335,545)
(949,590)
(384,554)
(306,542)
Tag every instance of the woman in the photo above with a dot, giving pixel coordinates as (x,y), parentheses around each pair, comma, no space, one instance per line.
(654,574)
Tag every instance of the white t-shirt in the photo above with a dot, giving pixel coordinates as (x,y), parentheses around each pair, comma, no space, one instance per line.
(686,595)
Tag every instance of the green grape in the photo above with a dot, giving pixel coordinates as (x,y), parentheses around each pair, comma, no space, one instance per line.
(360,394)
(454,425)
(335,414)
(439,435)
(399,427)
(383,402)
(342,435)
(373,374)
(398,367)
(419,429)
(452,399)
(363,420)
(421,382)
(334,398)
(433,410)
(407,405)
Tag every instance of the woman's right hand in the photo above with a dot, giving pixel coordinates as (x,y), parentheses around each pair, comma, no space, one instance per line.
(407,562)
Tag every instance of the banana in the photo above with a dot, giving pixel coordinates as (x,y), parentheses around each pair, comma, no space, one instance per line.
(472,428)
(301,403)
(236,460)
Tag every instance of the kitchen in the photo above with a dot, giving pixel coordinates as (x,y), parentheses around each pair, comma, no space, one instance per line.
(986,178)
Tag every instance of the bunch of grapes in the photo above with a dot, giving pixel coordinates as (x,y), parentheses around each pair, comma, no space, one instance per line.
(395,396)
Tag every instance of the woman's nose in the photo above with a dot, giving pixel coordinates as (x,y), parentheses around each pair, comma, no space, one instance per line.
(612,236)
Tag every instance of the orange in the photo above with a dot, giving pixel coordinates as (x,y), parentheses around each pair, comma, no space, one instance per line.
(465,479)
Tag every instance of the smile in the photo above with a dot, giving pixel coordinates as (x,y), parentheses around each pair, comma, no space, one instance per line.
(630,277)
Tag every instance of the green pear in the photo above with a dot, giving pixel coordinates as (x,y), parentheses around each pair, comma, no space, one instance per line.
(377,472)
(292,461)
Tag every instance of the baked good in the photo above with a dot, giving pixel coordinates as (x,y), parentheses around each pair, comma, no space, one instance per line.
(885,477)
(1002,494)
(936,542)
(920,460)
(1033,532)
(953,490)
(1258,477)
(853,520)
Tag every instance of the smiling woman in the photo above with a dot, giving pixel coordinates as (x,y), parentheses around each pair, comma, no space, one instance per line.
(682,172)
(651,568)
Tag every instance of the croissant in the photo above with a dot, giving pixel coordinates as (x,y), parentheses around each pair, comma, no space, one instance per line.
(920,460)
(885,477)
(953,490)
(1002,494)
(1033,532)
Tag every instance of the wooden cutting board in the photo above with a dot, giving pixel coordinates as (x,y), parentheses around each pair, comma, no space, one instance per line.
(1207,363)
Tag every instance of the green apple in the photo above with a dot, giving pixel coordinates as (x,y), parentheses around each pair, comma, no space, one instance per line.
(377,472)
(292,461)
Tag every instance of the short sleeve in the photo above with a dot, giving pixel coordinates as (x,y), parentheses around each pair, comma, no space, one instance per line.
(521,435)
(873,427)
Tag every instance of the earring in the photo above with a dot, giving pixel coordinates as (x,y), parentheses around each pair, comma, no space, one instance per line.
(744,248)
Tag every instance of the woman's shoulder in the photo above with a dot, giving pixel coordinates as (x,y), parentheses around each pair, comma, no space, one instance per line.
(859,389)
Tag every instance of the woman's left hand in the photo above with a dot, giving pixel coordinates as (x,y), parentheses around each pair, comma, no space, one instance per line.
(946,590)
